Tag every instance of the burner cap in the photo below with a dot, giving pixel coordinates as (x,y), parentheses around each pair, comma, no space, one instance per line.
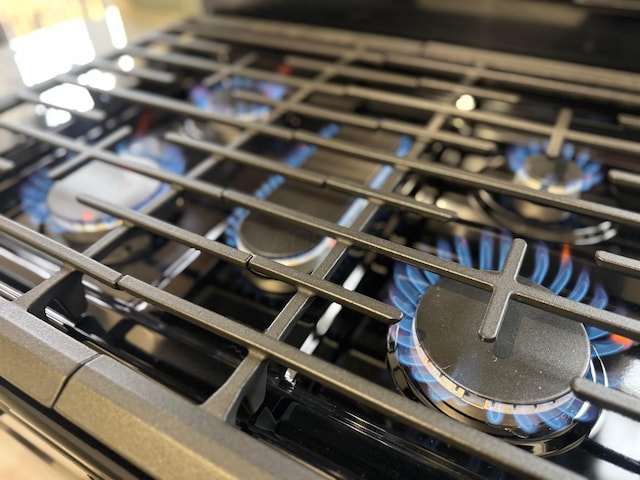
(275,238)
(533,360)
(282,241)
(101,180)
(554,175)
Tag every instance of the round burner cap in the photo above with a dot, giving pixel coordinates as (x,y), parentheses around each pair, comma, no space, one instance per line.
(533,360)
(99,179)
(555,175)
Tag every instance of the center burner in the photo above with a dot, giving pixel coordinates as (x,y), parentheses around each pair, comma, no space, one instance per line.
(517,387)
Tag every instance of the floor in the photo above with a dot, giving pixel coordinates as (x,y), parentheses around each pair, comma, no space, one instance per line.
(23,454)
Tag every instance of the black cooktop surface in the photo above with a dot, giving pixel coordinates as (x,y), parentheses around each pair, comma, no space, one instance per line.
(271,248)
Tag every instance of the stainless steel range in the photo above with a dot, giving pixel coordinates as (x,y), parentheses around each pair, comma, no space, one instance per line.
(240,247)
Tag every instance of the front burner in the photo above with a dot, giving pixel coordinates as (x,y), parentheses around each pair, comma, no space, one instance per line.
(518,387)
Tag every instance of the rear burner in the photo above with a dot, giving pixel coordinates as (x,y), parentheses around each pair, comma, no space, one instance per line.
(554,175)
(570,174)
(220,100)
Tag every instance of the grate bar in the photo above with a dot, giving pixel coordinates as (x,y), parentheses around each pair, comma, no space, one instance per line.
(207,65)
(183,108)
(192,43)
(6,164)
(366,393)
(624,179)
(395,126)
(311,110)
(537,83)
(618,263)
(397,79)
(511,123)
(338,90)
(483,279)
(458,176)
(580,312)
(315,179)
(536,66)
(197,63)
(139,72)
(607,398)
(61,252)
(505,284)
(245,37)
(257,264)
(627,120)
(84,156)
(559,131)
(225,401)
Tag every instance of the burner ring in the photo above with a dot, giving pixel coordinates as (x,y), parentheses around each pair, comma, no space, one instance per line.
(517,388)
(566,232)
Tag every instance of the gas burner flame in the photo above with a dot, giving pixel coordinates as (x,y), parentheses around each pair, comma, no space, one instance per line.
(35,190)
(410,283)
(218,99)
(592,174)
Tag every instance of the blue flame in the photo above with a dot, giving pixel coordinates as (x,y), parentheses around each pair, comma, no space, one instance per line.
(495,416)
(410,283)
(541,264)
(207,99)
(563,276)
(486,251)
(517,155)
(35,189)
(527,423)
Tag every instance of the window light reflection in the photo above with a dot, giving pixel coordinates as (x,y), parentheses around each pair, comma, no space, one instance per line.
(50,51)
(126,63)
(54,49)
(115,26)
(98,79)
(466,102)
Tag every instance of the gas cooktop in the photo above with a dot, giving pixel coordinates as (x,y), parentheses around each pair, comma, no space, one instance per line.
(240,247)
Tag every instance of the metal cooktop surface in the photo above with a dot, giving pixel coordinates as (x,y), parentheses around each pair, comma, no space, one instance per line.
(243,247)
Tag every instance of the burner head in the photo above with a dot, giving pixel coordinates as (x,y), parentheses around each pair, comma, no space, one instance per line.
(569,174)
(518,387)
(533,360)
(102,180)
(554,175)
(52,206)
(220,100)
